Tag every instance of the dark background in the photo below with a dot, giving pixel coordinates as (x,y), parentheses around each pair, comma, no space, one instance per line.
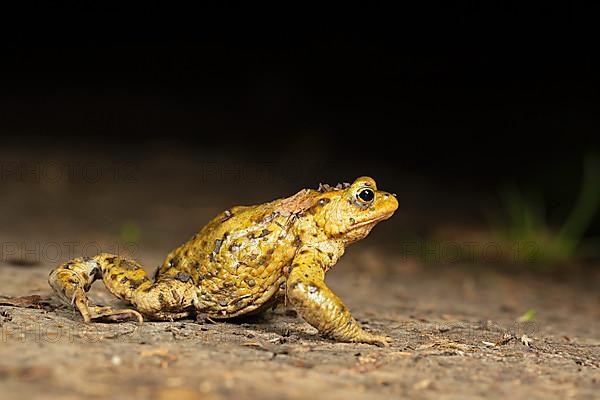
(464,94)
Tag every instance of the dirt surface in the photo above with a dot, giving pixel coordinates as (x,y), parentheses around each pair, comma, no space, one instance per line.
(455,326)
(456,336)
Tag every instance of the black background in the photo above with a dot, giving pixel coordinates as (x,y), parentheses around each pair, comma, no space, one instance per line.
(475,93)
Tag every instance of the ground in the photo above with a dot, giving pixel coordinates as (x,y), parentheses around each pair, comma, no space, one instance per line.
(455,325)
(455,334)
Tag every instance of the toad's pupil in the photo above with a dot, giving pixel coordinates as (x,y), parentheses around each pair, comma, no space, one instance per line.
(366,195)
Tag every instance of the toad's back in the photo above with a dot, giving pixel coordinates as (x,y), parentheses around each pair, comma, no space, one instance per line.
(237,260)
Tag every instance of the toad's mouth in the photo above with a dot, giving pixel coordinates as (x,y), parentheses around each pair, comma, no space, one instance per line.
(371,221)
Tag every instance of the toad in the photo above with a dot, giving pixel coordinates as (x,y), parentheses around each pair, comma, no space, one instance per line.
(245,260)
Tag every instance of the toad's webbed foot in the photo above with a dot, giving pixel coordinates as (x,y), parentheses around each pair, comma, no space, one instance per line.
(377,340)
(108,314)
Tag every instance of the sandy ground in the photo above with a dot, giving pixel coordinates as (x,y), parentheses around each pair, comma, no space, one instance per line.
(455,325)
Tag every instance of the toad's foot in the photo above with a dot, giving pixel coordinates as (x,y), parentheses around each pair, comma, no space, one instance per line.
(377,340)
(108,314)
(98,313)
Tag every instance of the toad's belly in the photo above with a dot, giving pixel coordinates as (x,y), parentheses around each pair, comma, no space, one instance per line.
(219,299)
(237,277)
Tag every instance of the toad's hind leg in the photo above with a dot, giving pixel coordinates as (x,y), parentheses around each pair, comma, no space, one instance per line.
(166,298)
(73,279)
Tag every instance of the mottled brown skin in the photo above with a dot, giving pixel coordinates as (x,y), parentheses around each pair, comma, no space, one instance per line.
(243,261)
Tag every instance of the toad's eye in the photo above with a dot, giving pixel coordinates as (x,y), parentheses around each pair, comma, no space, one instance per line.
(366,195)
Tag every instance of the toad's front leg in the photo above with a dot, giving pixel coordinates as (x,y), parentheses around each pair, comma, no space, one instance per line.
(319,306)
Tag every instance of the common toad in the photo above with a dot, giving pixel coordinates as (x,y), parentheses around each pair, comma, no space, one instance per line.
(243,261)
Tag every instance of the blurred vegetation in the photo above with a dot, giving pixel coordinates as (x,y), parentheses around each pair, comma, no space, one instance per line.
(129,232)
(522,220)
(528,316)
